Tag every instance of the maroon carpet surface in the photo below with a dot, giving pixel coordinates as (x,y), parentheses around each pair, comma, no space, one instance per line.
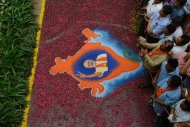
(57,100)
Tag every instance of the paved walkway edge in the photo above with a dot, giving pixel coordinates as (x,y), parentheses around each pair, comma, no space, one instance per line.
(31,78)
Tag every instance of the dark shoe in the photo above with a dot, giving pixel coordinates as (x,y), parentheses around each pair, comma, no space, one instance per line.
(144,85)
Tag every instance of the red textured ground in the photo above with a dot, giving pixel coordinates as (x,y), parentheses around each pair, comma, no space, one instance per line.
(57,100)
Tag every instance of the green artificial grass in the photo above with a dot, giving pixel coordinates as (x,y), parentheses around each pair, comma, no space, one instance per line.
(17,42)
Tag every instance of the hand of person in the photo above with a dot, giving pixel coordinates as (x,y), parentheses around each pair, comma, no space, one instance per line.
(154,81)
(150,33)
(176,125)
(81,75)
(144,51)
(187,57)
(146,17)
(183,92)
(148,30)
(143,10)
(170,54)
(174,117)
(143,14)
(188,74)
(152,97)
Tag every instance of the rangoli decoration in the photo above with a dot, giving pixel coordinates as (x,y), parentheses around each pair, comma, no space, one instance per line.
(95,63)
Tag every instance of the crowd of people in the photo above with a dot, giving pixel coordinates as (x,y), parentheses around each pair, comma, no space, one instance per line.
(164,44)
